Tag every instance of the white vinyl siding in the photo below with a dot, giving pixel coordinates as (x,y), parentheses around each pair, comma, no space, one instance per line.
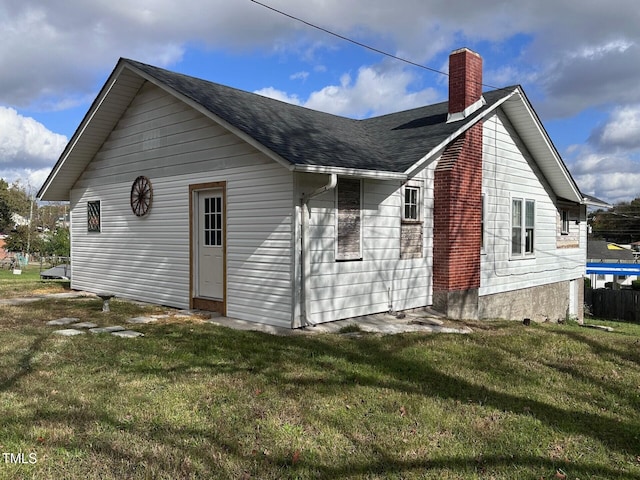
(381,280)
(147,258)
(509,173)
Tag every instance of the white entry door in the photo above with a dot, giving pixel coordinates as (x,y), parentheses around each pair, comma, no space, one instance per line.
(210,248)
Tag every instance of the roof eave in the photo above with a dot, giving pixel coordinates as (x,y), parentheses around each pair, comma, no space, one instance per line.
(595,202)
(45,193)
(351,172)
(573,193)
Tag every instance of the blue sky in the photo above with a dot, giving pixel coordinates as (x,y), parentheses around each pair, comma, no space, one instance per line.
(579,63)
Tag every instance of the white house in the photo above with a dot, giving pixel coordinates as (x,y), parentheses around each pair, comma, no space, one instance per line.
(191,194)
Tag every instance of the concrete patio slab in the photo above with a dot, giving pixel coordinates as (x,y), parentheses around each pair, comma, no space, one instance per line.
(382,323)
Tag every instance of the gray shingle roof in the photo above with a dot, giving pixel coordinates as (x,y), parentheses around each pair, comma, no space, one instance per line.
(598,250)
(301,136)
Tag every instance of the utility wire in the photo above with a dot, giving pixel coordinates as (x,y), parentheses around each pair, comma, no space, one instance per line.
(360,44)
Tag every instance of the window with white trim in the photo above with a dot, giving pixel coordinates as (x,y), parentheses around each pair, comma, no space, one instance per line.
(482,222)
(411,211)
(565,222)
(522,227)
(93,216)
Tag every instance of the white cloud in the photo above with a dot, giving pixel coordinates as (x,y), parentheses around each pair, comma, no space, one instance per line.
(27,148)
(608,166)
(278,95)
(29,178)
(373,92)
(610,177)
(26,142)
(299,76)
(622,131)
(581,56)
(613,187)
(41,40)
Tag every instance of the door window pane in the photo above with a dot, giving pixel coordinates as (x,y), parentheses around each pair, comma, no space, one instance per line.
(212,222)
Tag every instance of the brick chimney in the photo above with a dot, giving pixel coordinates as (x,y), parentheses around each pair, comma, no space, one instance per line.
(457,238)
(465,83)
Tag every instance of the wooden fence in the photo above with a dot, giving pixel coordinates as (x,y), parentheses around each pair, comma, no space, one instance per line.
(613,304)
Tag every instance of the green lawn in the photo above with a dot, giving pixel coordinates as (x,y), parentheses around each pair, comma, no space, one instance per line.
(193,400)
(28,282)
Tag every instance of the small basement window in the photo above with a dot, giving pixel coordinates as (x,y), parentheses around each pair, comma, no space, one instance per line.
(93,216)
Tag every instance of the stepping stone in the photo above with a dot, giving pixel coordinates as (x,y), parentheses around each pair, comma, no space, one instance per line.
(63,321)
(191,313)
(427,321)
(127,334)
(115,328)
(69,332)
(142,320)
(84,325)
(599,327)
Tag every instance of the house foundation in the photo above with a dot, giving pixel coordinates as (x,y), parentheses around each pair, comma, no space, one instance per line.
(540,303)
(457,304)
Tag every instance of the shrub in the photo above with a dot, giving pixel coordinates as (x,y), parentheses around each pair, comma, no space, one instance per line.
(635,284)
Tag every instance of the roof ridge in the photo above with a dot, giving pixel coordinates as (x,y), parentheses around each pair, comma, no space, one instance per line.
(147,66)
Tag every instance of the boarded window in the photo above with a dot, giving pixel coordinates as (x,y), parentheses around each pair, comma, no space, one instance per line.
(93,216)
(349,219)
(568,236)
(411,240)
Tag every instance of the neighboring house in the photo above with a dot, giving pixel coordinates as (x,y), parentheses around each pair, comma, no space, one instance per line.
(3,251)
(609,262)
(191,194)
(18,220)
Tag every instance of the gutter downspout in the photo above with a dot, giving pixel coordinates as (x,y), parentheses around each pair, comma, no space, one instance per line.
(305,260)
